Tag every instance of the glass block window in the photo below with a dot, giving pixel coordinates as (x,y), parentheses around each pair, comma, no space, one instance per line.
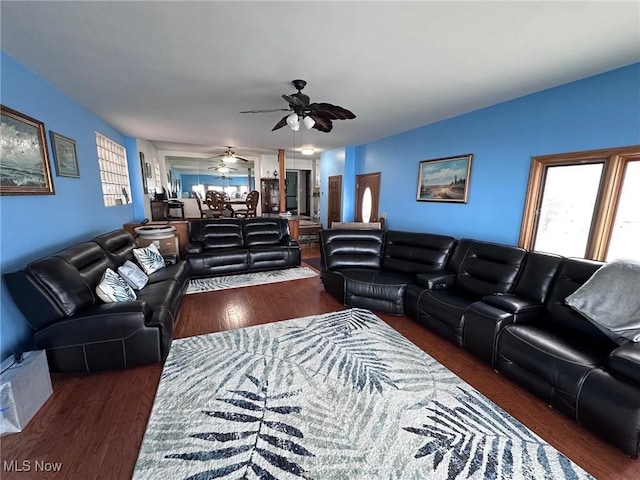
(114,172)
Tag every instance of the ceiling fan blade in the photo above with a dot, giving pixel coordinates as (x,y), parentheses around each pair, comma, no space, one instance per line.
(241,159)
(322,124)
(334,112)
(295,101)
(281,123)
(267,111)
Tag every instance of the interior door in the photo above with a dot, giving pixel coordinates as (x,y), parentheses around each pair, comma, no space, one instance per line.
(334,200)
(367,197)
(292,192)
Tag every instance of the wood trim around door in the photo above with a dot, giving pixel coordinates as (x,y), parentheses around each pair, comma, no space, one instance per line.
(371,180)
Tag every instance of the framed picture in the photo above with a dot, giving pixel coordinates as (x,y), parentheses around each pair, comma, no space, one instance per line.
(64,155)
(444,179)
(24,159)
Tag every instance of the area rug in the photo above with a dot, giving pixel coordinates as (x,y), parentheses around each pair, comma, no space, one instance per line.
(334,396)
(199,285)
(313,262)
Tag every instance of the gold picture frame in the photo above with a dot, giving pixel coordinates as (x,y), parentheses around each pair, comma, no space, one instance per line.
(24,158)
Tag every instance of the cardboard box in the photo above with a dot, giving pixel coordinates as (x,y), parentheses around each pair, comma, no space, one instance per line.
(24,388)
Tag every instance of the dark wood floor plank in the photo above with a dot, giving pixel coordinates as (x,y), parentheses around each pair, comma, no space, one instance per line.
(94,424)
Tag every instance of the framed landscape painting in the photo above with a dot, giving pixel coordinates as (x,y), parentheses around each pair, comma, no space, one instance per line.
(444,179)
(24,159)
(65,155)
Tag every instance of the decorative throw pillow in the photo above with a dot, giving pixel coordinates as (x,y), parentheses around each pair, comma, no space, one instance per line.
(149,258)
(610,299)
(132,274)
(112,288)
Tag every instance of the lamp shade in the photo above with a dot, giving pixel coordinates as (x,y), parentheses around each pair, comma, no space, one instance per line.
(308,122)
(293,121)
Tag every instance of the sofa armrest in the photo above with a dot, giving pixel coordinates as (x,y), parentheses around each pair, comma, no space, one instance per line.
(513,303)
(624,362)
(522,309)
(194,247)
(436,280)
(290,242)
(101,322)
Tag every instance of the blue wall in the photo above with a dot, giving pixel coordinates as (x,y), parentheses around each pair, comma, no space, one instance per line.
(36,225)
(597,112)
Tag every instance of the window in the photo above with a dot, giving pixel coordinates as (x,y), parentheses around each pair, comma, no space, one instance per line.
(584,204)
(157,175)
(114,172)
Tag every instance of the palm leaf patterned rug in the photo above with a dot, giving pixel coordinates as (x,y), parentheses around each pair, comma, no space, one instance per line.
(334,396)
(199,285)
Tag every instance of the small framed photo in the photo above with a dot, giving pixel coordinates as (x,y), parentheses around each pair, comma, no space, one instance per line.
(24,159)
(64,155)
(444,179)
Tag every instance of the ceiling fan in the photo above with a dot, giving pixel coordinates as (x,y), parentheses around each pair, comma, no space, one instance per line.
(311,115)
(229,156)
(222,168)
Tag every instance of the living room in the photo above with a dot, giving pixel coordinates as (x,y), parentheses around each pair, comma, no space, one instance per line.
(584,110)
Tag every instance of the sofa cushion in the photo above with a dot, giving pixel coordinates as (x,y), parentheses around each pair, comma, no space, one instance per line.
(118,245)
(610,299)
(263,231)
(532,354)
(351,248)
(133,275)
(62,283)
(224,233)
(112,288)
(416,252)
(489,268)
(149,258)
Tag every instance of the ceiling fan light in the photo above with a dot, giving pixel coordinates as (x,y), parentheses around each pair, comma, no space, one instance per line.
(296,127)
(229,159)
(293,121)
(223,169)
(308,122)
(307,151)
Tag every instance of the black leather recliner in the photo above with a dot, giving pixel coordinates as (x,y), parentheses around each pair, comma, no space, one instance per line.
(565,360)
(371,268)
(57,296)
(223,246)
(475,269)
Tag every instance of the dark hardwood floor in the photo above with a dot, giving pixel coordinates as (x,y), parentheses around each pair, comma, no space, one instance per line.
(93,424)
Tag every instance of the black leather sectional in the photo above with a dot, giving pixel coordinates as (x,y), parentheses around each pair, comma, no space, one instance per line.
(80,333)
(503,304)
(223,246)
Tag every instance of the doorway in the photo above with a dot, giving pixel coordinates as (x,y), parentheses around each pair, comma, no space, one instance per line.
(298,192)
(334,200)
(367,197)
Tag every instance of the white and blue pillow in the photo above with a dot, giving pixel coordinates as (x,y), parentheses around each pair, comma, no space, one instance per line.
(149,258)
(133,275)
(112,288)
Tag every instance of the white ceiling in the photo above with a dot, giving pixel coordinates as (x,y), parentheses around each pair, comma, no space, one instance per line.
(179,73)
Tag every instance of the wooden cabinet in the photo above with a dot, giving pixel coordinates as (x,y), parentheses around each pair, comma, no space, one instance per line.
(182,233)
(270,196)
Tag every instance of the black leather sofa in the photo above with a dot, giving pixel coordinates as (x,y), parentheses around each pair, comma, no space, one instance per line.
(371,268)
(506,306)
(222,246)
(80,333)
